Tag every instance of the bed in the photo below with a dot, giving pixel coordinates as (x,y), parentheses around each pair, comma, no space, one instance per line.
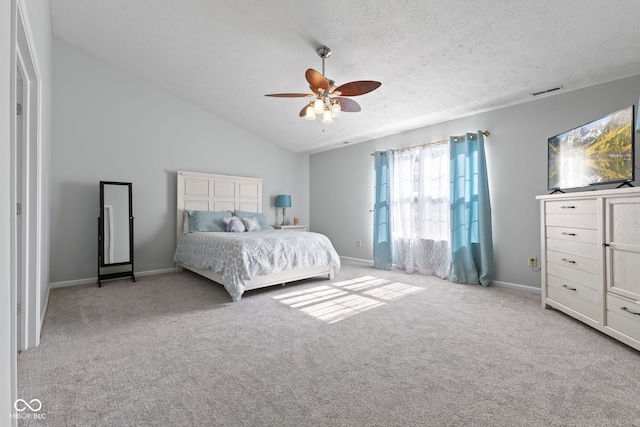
(246,260)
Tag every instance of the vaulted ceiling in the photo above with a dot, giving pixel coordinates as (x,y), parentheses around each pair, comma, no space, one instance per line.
(437,60)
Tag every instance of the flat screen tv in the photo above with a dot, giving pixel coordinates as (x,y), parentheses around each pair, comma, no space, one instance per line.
(600,152)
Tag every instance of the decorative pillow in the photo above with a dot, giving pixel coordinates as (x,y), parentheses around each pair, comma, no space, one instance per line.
(207,220)
(251,223)
(262,220)
(234,225)
(185,223)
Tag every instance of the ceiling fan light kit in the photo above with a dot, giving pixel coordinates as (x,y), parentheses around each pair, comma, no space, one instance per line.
(329,99)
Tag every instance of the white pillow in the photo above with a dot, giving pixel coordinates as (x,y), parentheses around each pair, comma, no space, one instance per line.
(234,224)
(185,223)
(252,224)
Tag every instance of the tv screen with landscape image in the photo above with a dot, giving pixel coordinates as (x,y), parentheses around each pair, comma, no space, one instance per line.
(600,152)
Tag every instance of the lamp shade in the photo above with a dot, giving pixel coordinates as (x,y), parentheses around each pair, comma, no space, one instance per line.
(283,201)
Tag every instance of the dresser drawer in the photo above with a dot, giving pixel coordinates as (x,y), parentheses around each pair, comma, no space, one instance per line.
(621,317)
(573,261)
(575,289)
(575,303)
(586,250)
(570,234)
(587,206)
(572,275)
(588,221)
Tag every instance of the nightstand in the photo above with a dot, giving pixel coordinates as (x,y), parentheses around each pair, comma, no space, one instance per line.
(298,227)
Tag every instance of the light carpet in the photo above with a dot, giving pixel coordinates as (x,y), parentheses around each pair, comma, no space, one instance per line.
(368,348)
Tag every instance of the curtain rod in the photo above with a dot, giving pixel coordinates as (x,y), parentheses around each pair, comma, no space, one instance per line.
(485,133)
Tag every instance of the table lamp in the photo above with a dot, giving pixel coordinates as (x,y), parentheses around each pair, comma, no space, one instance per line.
(283,201)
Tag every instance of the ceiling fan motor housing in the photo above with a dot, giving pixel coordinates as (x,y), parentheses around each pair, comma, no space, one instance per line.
(324,52)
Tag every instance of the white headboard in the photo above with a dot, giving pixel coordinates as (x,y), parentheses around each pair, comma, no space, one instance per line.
(210,192)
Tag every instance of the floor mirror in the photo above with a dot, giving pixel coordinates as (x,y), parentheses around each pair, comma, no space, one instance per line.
(115,231)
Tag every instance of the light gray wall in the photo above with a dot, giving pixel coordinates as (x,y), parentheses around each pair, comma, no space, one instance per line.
(111,125)
(341,181)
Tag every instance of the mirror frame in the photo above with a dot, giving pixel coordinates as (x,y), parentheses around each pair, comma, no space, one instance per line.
(101,236)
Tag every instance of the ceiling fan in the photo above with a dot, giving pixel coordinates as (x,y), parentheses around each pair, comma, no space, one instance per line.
(329,99)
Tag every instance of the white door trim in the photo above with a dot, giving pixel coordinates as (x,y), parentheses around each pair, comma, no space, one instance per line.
(31,169)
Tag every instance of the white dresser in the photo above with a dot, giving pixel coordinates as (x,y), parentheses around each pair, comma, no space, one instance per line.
(591,259)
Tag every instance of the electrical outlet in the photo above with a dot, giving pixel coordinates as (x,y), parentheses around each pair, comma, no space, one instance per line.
(533,261)
(359,243)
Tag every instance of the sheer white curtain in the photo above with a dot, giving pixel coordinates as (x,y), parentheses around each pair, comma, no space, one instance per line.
(420,210)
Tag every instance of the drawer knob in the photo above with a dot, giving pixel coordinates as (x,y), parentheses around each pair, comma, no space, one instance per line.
(571,289)
(629,311)
(564,233)
(568,261)
(567,207)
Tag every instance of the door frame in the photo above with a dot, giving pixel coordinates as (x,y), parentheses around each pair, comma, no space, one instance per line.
(29,260)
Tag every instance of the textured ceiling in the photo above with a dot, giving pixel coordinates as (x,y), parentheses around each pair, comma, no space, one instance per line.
(436,60)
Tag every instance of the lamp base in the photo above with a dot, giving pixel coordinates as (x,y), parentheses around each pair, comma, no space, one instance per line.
(284,215)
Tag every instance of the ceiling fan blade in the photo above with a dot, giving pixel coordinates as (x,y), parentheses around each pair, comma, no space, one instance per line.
(348,105)
(303,112)
(289,95)
(316,80)
(356,88)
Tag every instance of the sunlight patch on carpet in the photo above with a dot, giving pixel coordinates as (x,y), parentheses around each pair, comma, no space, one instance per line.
(341,308)
(393,291)
(361,283)
(310,296)
(337,301)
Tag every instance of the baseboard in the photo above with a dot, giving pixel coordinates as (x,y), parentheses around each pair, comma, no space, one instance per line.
(358,260)
(497,284)
(516,286)
(94,280)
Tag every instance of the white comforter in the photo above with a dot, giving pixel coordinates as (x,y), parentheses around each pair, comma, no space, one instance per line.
(239,257)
